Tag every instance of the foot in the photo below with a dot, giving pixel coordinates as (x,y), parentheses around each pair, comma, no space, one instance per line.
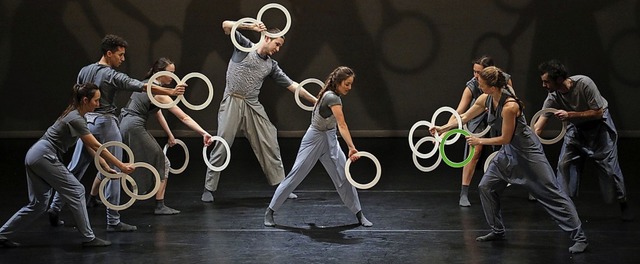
(578,247)
(531,198)
(490,237)
(627,215)
(165,210)
(54,218)
(363,220)
(121,227)
(207,196)
(268,218)
(464,201)
(6,243)
(94,201)
(293,196)
(96,242)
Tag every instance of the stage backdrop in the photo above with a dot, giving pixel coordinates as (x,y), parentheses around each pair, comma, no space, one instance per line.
(410,57)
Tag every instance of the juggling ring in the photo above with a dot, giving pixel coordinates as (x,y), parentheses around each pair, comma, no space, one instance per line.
(286,14)
(254,46)
(489,159)
(444,156)
(455,114)
(378,171)
(180,97)
(96,158)
(563,131)
(108,204)
(296,95)
(186,157)
(415,155)
(134,195)
(481,134)
(414,148)
(226,162)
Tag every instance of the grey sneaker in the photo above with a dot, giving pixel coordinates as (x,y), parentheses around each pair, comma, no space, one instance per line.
(165,210)
(121,227)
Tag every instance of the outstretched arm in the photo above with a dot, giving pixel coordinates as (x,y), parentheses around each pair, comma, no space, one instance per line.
(227,25)
(303,92)
(186,119)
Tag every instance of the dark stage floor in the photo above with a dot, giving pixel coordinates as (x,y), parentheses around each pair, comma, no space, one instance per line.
(416,217)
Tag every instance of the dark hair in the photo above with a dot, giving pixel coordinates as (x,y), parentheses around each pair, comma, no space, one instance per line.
(334,79)
(554,69)
(158,65)
(485,61)
(112,43)
(494,76)
(274,31)
(79,92)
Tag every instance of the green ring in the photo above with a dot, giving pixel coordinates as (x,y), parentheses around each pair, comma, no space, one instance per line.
(444,156)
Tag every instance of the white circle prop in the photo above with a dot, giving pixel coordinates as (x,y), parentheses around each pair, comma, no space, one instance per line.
(296,95)
(96,158)
(378,171)
(134,194)
(563,131)
(254,46)
(186,156)
(150,94)
(489,159)
(113,206)
(226,162)
(415,154)
(286,14)
(414,148)
(455,114)
(481,134)
(209,85)
(180,97)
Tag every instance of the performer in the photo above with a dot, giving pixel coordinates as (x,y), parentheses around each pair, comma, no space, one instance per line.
(321,143)
(590,132)
(133,120)
(241,110)
(45,170)
(520,161)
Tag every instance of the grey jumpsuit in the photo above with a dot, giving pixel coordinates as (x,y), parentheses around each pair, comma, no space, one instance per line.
(241,110)
(320,142)
(523,162)
(596,139)
(45,171)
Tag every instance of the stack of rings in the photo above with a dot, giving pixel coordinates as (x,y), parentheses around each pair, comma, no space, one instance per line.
(124,178)
(186,157)
(180,97)
(375,179)
(563,131)
(296,95)
(263,33)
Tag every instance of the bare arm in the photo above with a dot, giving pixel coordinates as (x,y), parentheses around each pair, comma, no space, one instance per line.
(165,126)
(476,109)
(186,119)
(92,144)
(510,111)
(227,25)
(303,92)
(344,131)
(155,89)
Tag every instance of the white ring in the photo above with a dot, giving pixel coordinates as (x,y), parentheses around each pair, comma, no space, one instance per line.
(481,134)
(186,156)
(113,206)
(414,148)
(286,14)
(150,94)
(454,113)
(209,85)
(378,171)
(143,196)
(254,46)
(563,131)
(96,158)
(296,95)
(489,159)
(415,158)
(206,159)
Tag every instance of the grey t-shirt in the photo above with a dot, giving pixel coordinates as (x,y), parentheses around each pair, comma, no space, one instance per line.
(64,133)
(583,96)
(109,81)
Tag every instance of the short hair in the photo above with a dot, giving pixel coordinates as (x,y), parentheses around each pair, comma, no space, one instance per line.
(485,61)
(112,43)
(554,69)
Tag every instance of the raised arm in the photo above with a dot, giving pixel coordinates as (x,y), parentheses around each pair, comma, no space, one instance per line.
(227,25)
